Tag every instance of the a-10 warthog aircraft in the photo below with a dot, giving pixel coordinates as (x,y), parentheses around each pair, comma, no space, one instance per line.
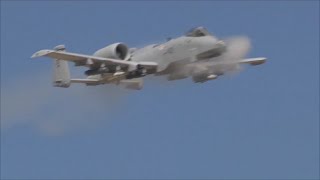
(197,54)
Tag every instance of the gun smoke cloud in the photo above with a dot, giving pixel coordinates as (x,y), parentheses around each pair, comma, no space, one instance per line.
(237,49)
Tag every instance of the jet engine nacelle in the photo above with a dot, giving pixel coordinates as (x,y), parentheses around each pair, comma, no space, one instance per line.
(116,51)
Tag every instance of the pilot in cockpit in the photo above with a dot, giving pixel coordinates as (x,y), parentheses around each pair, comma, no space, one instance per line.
(197,32)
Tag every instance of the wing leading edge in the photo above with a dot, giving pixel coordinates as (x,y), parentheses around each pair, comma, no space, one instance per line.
(87,60)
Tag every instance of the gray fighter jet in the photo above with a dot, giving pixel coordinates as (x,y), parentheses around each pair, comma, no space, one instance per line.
(197,54)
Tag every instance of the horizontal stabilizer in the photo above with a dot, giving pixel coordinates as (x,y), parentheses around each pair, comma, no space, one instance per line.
(254,61)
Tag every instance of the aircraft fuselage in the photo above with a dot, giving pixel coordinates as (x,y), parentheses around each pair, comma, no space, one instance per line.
(182,49)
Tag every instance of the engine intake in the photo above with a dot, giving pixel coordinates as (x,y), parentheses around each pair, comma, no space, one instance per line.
(116,51)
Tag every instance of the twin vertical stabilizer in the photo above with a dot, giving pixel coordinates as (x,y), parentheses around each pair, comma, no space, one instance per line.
(61,76)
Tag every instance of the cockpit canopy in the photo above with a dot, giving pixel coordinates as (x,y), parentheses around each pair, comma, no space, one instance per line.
(197,32)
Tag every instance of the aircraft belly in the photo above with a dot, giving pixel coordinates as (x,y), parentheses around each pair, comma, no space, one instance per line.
(174,67)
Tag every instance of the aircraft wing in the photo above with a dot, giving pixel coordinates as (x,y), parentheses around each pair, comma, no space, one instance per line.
(253,61)
(88,60)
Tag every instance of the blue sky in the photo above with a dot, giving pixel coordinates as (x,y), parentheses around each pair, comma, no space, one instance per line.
(260,123)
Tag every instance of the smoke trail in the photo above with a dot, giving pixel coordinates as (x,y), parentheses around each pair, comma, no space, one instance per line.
(33,101)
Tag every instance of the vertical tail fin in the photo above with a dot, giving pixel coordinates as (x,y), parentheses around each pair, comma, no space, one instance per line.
(61,77)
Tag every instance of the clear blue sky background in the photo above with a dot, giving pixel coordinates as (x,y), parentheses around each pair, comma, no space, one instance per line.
(261,123)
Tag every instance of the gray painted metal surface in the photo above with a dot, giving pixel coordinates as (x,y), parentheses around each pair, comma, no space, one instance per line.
(197,54)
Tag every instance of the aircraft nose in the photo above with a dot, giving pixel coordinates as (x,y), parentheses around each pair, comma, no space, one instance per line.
(221,45)
(215,43)
(212,48)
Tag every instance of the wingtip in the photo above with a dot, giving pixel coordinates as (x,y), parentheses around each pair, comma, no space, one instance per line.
(40,53)
(263,58)
(33,55)
(260,60)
